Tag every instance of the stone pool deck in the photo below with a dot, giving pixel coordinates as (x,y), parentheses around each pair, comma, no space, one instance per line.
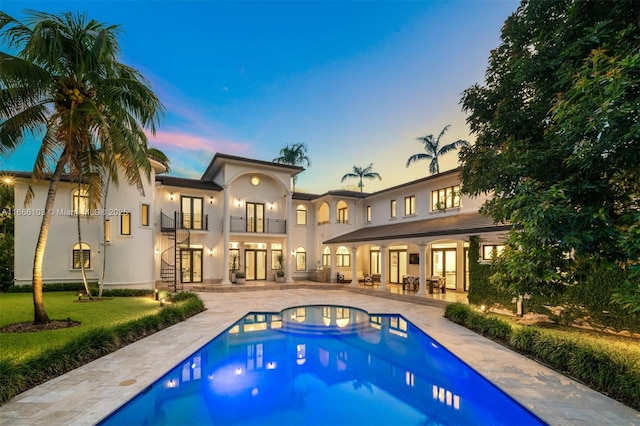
(86,395)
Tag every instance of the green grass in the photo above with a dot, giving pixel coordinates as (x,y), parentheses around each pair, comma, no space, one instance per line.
(18,307)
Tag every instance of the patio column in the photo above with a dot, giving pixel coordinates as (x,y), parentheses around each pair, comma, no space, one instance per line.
(289,273)
(422,265)
(383,268)
(226,223)
(354,266)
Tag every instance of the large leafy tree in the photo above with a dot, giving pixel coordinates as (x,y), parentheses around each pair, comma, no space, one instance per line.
(362,173)
(294,154)
(433,150)
(558,142)
(66,84)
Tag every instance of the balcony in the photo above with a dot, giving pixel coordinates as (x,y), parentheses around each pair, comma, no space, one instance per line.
(194,222)
(258,226)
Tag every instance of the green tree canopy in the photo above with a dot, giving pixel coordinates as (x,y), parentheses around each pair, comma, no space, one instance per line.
(66,84)
(362,173)
(558,140)
(433,150)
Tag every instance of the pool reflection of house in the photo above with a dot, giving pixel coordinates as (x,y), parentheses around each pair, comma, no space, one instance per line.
(190,230)
(269,362)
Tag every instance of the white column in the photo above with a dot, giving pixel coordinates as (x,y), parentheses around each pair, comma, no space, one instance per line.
(226,223)
(383,268)
(354,266)
(289,206)
(422,265)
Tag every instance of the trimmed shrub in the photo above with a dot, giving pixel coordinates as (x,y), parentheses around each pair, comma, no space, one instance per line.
(95,343)
(599,368)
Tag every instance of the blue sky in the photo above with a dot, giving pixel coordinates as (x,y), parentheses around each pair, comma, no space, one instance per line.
(356,81)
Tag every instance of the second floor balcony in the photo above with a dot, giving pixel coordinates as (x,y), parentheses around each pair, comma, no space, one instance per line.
(258,225)
(178,220)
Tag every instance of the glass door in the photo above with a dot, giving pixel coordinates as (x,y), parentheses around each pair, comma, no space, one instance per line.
(397,265)
(375,262)
(444,265)
(255,264)
(255,217)
(191,265)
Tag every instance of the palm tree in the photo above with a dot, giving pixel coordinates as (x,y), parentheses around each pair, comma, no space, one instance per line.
(362,173)
(295,155)
(67,84)
(434,151)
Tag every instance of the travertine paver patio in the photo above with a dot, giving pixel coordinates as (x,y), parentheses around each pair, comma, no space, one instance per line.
(86,395)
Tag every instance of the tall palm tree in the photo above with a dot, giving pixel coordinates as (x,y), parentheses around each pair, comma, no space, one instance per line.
(295,155)
(362,173)
(66,84)
(434,151)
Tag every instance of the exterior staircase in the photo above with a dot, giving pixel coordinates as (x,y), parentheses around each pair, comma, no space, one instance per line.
(171,258)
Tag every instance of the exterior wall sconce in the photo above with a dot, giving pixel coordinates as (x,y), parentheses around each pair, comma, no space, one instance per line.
(211,252)
(157,251)
(293,253)
(270,206)
(211,200)
(238,203)
(171,196)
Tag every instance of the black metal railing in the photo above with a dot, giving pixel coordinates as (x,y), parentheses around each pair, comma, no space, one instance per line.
(197,222)
(254,225)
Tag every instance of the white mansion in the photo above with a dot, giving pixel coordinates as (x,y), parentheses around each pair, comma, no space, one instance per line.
(190,231)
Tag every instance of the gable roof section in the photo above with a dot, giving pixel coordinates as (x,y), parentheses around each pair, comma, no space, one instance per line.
(471,223)
(188,183)
(216,163)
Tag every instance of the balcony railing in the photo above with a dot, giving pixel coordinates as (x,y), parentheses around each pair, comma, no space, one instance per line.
(198,222)
(254,225)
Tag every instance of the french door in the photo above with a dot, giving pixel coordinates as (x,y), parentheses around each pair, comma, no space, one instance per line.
(444,265)
(191,265)
(397,265)
(255,264)
(255,217)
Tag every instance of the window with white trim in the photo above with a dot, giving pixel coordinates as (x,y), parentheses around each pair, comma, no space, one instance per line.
(410,205)
(81,254)
(301,259)
(343,256)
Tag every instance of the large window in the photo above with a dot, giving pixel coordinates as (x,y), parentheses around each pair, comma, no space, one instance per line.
(301,259)
(410,205)
(343,257)
(81,254)
(393,208)
(491,251)
(326,257)
(323,214)
(80,201)
(144,215)
(445,198)
(125,224)
(368,217)
(192,212)
(343,212)
(301,215)
(276,250)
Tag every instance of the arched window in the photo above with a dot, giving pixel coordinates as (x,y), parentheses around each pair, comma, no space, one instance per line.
(323,214)
(301,259)
(343,256)
(301,215)
(80,202)
(81,254)
(343,212)
(326,257)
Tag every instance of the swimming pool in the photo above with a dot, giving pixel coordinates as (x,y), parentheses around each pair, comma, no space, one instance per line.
(322,365)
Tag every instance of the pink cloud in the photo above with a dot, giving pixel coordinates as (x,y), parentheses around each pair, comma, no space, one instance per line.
(191,142)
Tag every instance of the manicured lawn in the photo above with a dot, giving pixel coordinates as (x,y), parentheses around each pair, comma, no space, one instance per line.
(18,307)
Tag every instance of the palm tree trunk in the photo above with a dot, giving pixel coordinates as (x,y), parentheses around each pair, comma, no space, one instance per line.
(39,314)
(82,268)
(104,240)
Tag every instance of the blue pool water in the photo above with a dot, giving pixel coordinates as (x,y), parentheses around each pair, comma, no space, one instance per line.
(322,365)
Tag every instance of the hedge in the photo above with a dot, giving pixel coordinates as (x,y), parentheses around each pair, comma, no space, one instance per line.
(17,378)
(602,369)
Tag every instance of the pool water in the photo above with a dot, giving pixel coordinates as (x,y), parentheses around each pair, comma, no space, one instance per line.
(322,365)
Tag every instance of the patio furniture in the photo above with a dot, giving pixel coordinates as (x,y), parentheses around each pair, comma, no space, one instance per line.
(410,283)
(437,285)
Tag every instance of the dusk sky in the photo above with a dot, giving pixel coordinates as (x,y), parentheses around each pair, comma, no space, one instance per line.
(356,81)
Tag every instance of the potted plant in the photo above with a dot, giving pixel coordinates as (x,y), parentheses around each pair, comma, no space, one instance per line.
(234,267)
(240,277)
(280,271)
